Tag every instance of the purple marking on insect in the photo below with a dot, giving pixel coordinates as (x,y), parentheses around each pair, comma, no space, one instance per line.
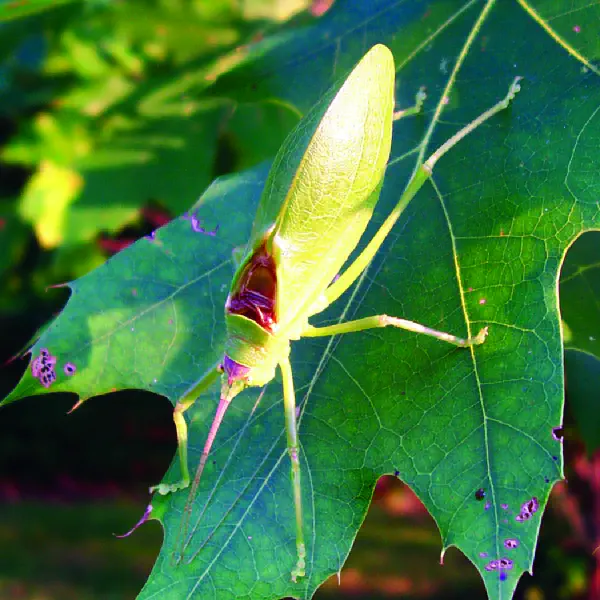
(234,370)
(488,505)
(504,506)
(511,543)
(144,518)
(505,564)
(557,433)
(197,227)
(492,565)
(69,369)
(483,554)
(502,576)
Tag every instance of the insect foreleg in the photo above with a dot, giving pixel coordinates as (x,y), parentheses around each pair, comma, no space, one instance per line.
(289,402)
(385,321)
(181,427)
(412,110)
(351,274)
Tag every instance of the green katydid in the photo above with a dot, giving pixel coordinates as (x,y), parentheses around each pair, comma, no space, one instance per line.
(318,200)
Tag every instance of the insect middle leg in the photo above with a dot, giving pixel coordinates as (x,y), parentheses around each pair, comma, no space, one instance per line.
(289,403)
(181,428)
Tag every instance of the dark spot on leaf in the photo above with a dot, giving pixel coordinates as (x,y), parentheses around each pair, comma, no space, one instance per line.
(480,494)
(505,564)
(511,543)
(69,369)
(547,479)
(502,576)
(396,473)
(557,433)
(555,458)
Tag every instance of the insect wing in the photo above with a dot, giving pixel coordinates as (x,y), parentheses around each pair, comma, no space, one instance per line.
(325,184)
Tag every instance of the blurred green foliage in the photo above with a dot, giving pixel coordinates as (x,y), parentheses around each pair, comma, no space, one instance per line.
(111,115)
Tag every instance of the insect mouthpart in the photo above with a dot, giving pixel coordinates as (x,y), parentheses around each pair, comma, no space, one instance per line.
(235,372)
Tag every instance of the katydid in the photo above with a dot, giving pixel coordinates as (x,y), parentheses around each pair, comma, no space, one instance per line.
(318,200)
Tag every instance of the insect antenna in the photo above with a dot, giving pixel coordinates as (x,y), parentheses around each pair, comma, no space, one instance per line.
(227,394)
(239,438)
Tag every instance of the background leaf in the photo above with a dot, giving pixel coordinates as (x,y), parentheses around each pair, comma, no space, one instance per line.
(482,246)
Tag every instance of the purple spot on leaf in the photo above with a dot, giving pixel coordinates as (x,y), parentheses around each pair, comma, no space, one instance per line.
(504,506)
(197,227)
(492,565)
(48,378)
(42,368)
(483,554)
(505,564)
(511,543)
(487,506)
(557,433)
(528,509)
(36,366)
(151,236)
(69,369)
